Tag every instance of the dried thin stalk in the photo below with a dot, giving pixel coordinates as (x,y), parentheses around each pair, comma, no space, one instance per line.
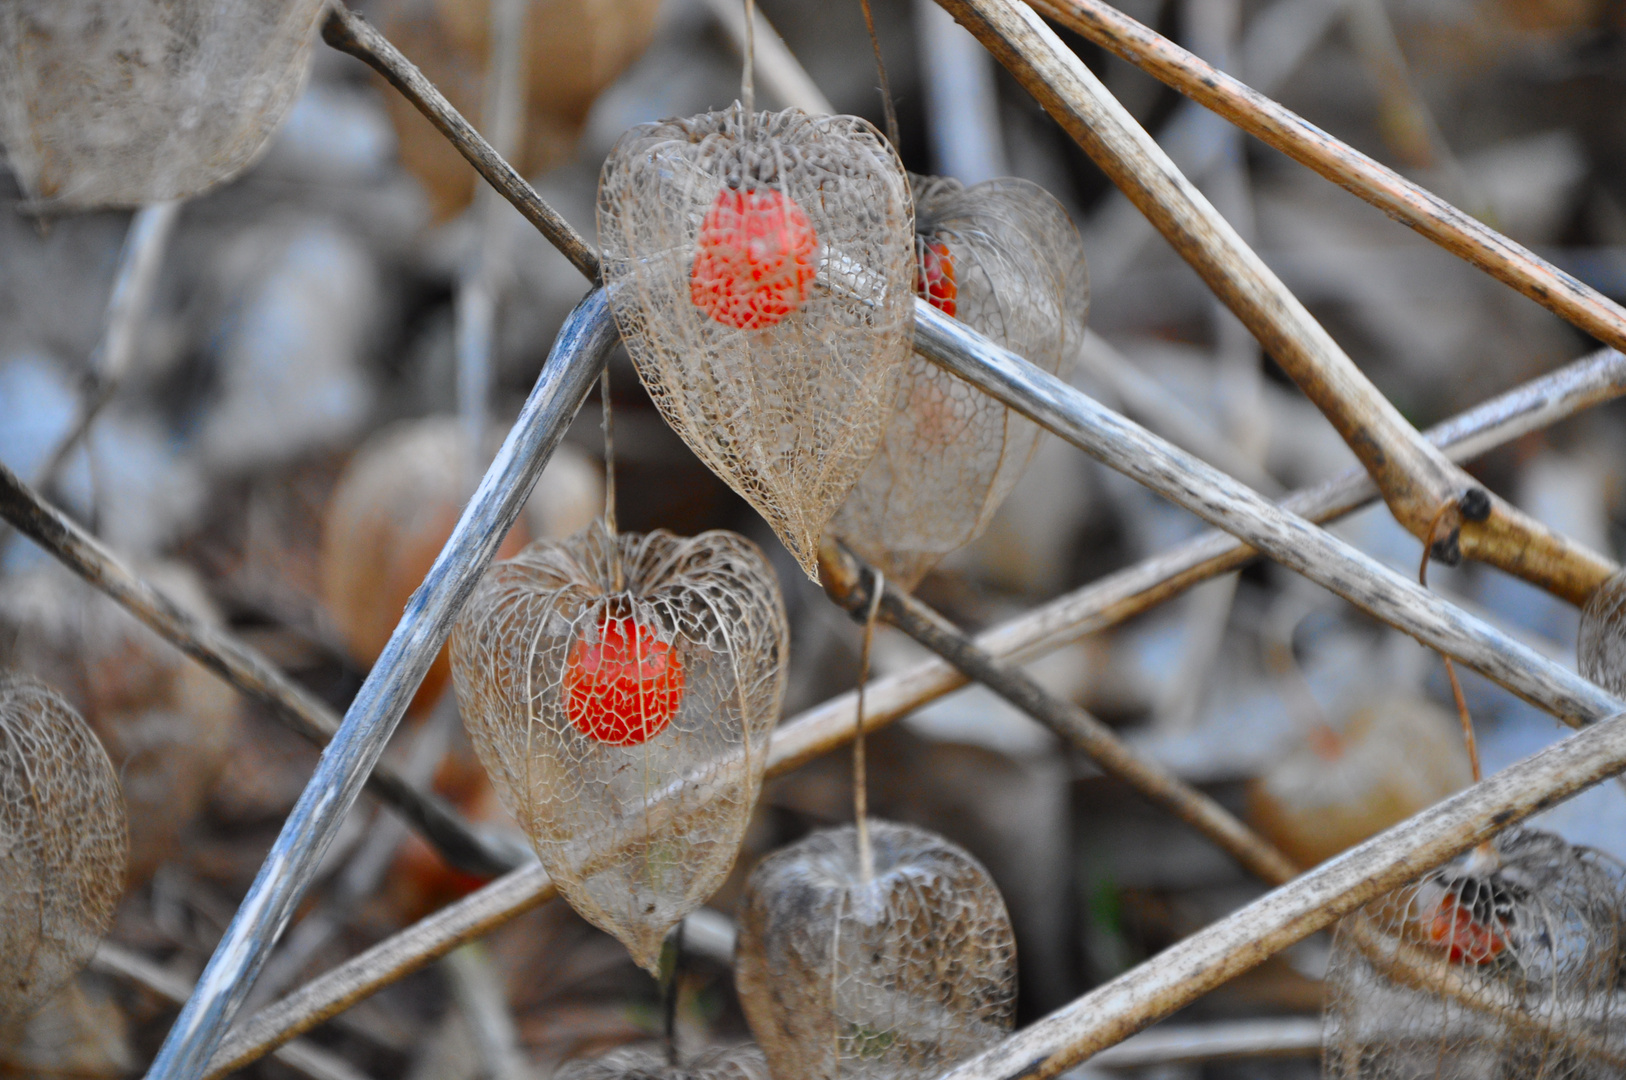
(1226,1041)
(781,74)
(239,665)
(1415,479)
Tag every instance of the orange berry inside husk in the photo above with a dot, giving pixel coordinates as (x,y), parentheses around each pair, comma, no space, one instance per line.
(755,260)
(625,687)
(1465,937)
(934,275)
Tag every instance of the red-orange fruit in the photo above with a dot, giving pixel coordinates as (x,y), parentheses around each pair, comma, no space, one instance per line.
(625,687)
(934,275)
(1464,936)
(755,259)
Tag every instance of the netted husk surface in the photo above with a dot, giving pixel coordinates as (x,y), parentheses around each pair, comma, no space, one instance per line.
(761,270)
(1493,967)
(62,845)
(648,1063)
(621,691)
(899,977)
(1601,649)
(165,721)
(1004,258)
(123,102)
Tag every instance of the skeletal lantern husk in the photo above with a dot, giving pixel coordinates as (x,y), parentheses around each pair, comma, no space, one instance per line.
(901,976)
(642,1063)
(166,722)
(125,102)
(1004,258)
(62,845)
(761,273)
(1502,963)
(620,691)
(1391,758)
(1601,648)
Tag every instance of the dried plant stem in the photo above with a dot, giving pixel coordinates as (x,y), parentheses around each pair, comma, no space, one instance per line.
(348,32)
(782,76)
(477,986)
(1587,382)
(302,1057)
(887,107)
(1226,1041)
(871,608)
(607,419)
(845,578)
(1406,202)
(1415,479)
(239,665)
(748,73)
(1240,941)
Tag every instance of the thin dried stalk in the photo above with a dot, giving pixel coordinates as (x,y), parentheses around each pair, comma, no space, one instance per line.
(1416,480)
(350,33)
(1191,968)
(1227,1041)
(1279,127)
(780,73)
(239,665)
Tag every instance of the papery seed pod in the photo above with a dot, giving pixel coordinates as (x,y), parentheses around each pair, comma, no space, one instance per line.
(621,690)
(1004,258)
(166,722)
(391,513)
(62,845)
(1601,648)
(1390,759)
(901,976)
(1503,963)
(642,1063)
(125,102)
(761,270)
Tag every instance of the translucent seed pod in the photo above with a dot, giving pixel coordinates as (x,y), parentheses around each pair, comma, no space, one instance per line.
(643,1063)
(62,845)
(761,268)
(126,102)
(1004,258)
(1503,963)
(898,977)
(620,691)
(390,514)
(166,722)
(1601,650)
(1391,758)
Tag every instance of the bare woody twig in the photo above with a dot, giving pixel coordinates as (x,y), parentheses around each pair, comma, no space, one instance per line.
(1417,482)
(1191,968)
(239,665)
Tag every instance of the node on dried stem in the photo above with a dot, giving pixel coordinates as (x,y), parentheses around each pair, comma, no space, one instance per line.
(1526,929)
(761,267)
(62,845)
(620,691)
(165,721)
(642,1063)
(1004,258)
(126,102)
(1601,649)
(901,977)
(1390,759)
(391,513)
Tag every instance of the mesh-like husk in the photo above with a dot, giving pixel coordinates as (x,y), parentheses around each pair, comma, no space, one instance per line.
(1601,649)
(902,978)
(1014,272)
(166,722)
(620,691)
(646,1063)
(123,102)
(62,845)
(1533,932)
(784,391)
(391,513)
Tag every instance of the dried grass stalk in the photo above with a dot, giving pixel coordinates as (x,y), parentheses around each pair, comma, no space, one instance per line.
(901,973)
(62,845)
(126,102)
(1526,926)
(621,690)
(761,266)
(1004,258)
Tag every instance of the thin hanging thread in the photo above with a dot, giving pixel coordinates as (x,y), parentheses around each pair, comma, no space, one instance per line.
(748,74)
(608,423)
(1450,669)
(866,859)
(887,108)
